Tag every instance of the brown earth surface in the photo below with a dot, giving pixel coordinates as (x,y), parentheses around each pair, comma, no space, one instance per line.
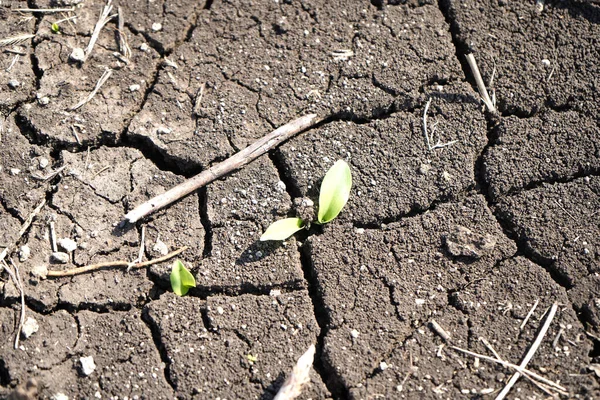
(438,248)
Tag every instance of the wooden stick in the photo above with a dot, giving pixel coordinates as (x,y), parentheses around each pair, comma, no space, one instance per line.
(94,267)
(233,163)
(530,353)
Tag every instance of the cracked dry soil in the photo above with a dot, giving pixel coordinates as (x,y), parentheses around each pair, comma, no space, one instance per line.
(470,236)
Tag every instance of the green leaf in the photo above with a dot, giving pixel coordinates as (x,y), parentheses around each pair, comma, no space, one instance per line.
(55,28)
(335,190)
(181,279)
(282,229)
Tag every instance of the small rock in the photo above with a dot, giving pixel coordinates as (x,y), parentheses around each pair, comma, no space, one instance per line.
(39,271)
(24,253)
(15,171)
(87,365)
(275,292)
(354,333)
(157,26)
(220,310)
(67,244)
(134,88)
(44,100)
(280,186)
(161,248)
(424,169)
(43,162)
(462,242)
(29,327)
(163,130)
(13,84)
(59,396)
(59,257)
(305,209)
(144,47)
(77,54)
(383,366)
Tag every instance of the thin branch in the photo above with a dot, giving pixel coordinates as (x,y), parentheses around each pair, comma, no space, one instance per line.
(108,264)
(107,73)
(82,55)
(13,62)
(485,97)
(233,163)
(531,352)
(124,48)
(23,229)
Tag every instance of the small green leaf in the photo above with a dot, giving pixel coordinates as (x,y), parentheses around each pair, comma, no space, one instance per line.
(55,28)
(335,190)
(181,279)
(282,229)
(252,359)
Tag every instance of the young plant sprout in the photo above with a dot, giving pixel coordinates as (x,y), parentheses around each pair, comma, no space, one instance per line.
(333,196)
(181,279)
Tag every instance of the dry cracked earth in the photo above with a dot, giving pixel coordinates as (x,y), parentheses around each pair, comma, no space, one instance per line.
(468,237)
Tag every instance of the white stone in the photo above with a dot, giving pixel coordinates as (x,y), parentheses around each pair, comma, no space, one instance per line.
(67,244)
(15,171)
(30,326)
(77,54)
(144,47)
(163,130)
(60,396)
(134,88)
(40,271)
(220,310)
(44,100)
(60,257)
(44,162)
(157,26)
(13,83)
(161,248)
(87,365)
(354,333)
(24,253)
(383,366)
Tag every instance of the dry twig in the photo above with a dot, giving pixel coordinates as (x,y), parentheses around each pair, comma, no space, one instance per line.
(292,387)
(24,228)
(107,73)
(44,10)
(485,97)
(530,353)
(529,314)
(16,278)
(233,163)
(82,55)
(15,40)
(108,264)
(124,48)
(429,139)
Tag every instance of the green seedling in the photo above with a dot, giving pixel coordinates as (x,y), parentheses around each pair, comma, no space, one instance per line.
(251,359)
(333,196)
(55,28)
(181,279)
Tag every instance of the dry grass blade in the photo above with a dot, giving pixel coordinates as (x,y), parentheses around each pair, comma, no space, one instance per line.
(292,387)
(44,10)
(485,97)
(23,229)
(531,352)
(107,73)
(16,278)
(124,48)
(15,40)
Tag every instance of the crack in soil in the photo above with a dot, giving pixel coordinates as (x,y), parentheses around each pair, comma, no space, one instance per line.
(160,346)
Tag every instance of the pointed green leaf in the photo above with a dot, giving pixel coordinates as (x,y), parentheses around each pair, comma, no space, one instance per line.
(335,190)
(282,229)
(181,279)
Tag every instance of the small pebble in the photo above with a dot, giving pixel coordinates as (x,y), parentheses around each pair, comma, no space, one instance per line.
(59,257)
(163,130)
(67,244)
(40,271)
(161,248)
(87,365)
(60,396)
(354,333)
(24,253)
(134,88)
(13,84)
(44,101)
(15,171)
(44,162)
(220,310)
(157,26)
(144,47)
(383,366)
(77,54)
(29,327)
